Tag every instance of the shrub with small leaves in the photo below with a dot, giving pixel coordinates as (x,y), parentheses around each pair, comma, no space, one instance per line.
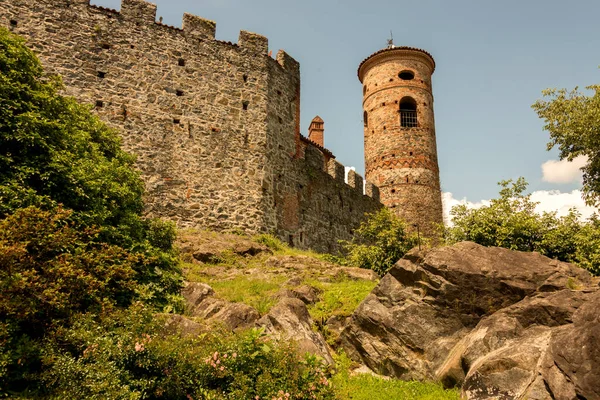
(380,241)
(126,354)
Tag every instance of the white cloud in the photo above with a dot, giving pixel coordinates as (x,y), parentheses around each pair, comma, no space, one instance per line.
(563,171)
(549,200)
(554,200)
(448,201)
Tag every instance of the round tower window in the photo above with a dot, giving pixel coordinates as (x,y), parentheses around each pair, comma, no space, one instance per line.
(406,75)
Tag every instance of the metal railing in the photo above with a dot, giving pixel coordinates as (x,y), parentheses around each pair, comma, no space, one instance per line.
(408,119)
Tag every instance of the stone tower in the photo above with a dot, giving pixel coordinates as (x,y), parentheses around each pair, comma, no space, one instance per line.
(399,129)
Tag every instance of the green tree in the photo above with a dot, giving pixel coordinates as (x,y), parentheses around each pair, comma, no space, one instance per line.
(72,237)
(511,221)
(573,121)
(55,151)
(380,241)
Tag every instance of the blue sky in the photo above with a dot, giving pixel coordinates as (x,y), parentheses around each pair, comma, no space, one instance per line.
(493,60)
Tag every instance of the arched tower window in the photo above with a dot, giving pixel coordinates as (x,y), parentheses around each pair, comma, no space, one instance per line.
(408,112)
(366,118)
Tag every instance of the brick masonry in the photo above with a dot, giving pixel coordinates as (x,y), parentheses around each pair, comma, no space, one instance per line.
(402,160)
(214,125)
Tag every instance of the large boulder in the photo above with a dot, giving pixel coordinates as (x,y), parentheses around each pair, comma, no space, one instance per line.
(289,319)
(492,320)
(201,302)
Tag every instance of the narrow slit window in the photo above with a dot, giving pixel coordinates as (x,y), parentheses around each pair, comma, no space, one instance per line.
(181,62)
(176,121)
(366,119)
(245,77)
(245,105)
(99,103)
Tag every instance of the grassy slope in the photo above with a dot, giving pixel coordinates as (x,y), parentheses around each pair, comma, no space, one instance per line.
(256,281)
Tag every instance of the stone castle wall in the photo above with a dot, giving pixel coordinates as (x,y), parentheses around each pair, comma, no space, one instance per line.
(214,125)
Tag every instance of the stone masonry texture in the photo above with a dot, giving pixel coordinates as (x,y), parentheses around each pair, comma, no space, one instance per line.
(402,160)
(214,125)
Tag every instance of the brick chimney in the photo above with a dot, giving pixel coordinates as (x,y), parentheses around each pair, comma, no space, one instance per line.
(316,131)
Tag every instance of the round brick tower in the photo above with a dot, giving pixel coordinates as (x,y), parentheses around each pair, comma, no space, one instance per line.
(399,128)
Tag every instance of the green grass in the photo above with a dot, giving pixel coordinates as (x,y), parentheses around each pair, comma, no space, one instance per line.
(283,249)
(340,297)
(369,387)
(253,292)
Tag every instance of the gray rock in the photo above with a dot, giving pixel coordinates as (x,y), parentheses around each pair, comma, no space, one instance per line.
(289,319)
(308,294)
(573,357)
(200,302)
(194,293)
(500,323)
(358,273)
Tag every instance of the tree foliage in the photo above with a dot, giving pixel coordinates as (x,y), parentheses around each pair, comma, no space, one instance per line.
(54,151)
(511,221)
(573,121)
(380,241)
(72,237)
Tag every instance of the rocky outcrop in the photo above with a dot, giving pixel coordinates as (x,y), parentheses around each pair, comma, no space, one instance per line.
(306,293)
(200,302)
(212,248)
(289,319)
(502,324)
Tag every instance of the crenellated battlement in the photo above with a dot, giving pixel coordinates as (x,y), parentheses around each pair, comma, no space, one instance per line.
(315,158)
(194,27)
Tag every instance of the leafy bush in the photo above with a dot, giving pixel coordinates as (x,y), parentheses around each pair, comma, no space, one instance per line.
(379,242)
(72,238)
(511,221)
(50,271)
(54,151)
(126,356)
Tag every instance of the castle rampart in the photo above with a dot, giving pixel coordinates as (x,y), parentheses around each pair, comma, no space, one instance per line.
(215,125)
